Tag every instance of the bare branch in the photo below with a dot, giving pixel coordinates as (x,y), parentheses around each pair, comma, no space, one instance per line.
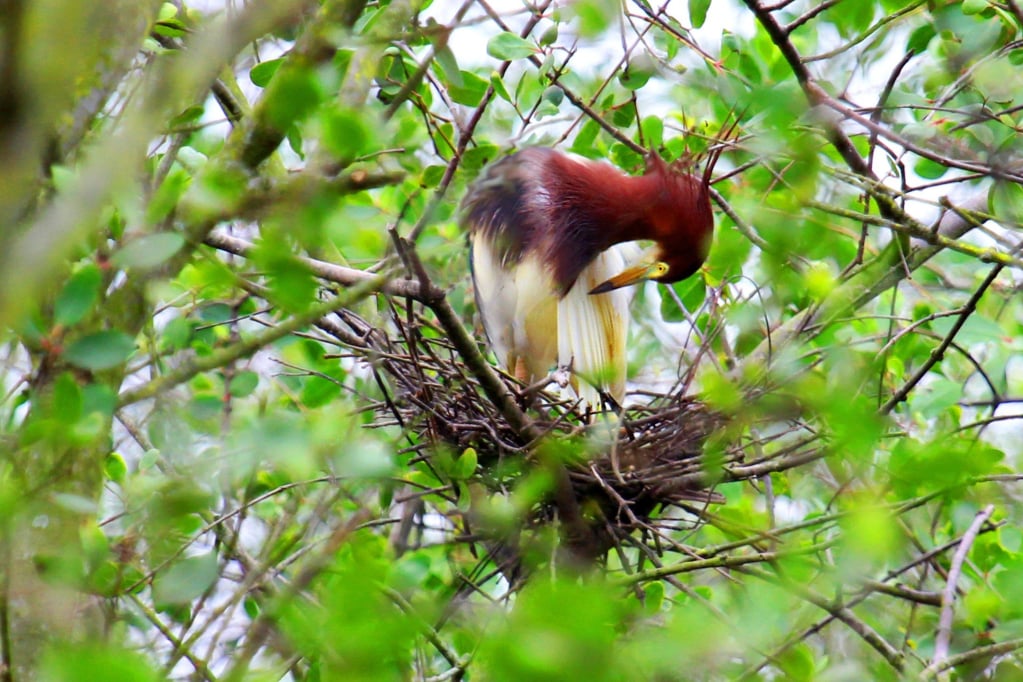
(948,596)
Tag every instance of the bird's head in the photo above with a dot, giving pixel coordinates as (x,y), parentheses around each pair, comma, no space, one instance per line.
(680,220)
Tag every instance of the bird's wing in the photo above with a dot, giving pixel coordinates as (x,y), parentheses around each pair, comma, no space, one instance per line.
(593,330)
(518,308)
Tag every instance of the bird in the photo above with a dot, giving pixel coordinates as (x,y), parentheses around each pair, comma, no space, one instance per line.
(552,240)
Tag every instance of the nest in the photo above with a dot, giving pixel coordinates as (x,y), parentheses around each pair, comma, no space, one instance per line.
(628,465)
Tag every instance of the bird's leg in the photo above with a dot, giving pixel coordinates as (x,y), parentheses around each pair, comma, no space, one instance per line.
(520,372)
(607,402)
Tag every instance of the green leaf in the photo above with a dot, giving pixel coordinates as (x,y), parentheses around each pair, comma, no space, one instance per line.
(465,466)
(261,73)
(148,251)
(470,90)
(583,144)
(653,131)
(509,47)
(292,285)
(691,291)
(594,16)
(167,195)
(930,170)
(101,350)
(185,580)
(346,133)
(432,175)
(176,334)
(78,296)
(721,393)
(172,28)
(974,6)
(921,38)
(477,157)
(67,399)
(78,504)
(1005,202)
(698,12)
(115,467)
(293,94)
(1010,538)
(449,65)
(497,83)
(188,117)
(99,398)
(554,95)
(167,11)
(94,661)
(243,383)
(976,329)
(653,597)
(623,116)
(797,662)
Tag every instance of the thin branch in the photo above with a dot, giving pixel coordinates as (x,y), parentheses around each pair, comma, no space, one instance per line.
(839,612)
(948,596)
(330,272)
(978,653)
(810,14)
(224,356)
(938,353)
(262,626)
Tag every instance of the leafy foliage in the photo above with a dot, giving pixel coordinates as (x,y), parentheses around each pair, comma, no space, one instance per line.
(237,322)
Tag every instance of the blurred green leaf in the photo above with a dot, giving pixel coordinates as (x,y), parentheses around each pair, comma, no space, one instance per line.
(293,93)
(698,12)
(115,467)
(449,65)
(95,661)
(798,663)
(100,350)
(243,383)
(509,47)
(549,36)
(190,116)
(347,133)
(1011,539)
(1005,202)
(465,465)
(936,397)
(475,158)
(692,293)
(921,37)
(148,251)
(261,73)
(497,82)
(470,90)
(186,579)
(79,295)
(930,170)
(534,642)
(594,16)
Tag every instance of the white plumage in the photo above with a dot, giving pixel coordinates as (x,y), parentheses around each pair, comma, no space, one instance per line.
(534,332)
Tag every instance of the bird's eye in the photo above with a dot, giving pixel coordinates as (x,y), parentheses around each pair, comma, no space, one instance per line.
(660,270)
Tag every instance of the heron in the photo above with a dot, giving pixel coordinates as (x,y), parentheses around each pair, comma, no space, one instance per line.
(553,254)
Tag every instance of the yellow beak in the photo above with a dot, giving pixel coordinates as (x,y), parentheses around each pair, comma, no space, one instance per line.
(637,273)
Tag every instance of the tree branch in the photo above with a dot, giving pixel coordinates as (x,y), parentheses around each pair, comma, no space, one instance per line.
(948,596)
(939,352)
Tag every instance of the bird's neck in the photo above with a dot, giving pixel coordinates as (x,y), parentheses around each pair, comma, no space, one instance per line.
(597,207)
(626,206)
